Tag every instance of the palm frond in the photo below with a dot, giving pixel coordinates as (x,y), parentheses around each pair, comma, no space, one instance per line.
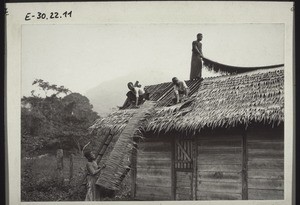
(118,162)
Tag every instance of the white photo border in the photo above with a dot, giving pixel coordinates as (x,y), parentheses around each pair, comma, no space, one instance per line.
(168,12)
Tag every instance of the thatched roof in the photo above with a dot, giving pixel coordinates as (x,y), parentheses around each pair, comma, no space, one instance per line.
(224,101)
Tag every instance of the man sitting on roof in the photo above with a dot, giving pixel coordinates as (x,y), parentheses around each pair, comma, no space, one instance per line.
(135,96)
(181,90)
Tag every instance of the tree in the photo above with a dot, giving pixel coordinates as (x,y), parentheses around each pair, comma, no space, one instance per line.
(46,87)
(78,117)
(55,122)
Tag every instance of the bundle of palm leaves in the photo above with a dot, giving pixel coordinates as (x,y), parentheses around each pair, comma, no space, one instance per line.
(118,162)
(228,69)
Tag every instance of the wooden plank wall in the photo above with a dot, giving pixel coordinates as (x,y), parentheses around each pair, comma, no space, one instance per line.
(219,165)
(265,163)
(153,179)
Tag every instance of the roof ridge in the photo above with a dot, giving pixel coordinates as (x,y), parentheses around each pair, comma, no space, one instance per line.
(246,73)
(228,76)
(222,101)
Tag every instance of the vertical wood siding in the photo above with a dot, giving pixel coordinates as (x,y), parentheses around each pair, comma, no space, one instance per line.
(153,179)
(184,185)
(219,167)
(183,154)
(265,164)
(184,168)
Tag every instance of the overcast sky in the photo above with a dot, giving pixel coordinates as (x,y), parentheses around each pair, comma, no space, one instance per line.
(80,57)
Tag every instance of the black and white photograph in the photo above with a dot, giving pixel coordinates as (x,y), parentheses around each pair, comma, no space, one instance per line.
(152,111)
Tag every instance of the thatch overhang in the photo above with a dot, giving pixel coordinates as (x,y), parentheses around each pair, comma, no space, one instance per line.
(223,101)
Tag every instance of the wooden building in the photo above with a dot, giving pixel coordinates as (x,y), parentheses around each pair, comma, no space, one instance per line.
(225,143)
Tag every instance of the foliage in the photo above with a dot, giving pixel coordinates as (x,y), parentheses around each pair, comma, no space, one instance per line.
(59,120)
(45,185)
(46,86)
(39,181)
(55,122)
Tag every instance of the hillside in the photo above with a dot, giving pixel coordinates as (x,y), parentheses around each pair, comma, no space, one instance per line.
(108,95)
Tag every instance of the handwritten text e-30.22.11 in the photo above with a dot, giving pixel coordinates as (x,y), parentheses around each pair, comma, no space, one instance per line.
(45,16)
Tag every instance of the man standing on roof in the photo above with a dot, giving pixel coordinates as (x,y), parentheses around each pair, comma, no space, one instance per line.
(196,63)
(181,90)
(135,96)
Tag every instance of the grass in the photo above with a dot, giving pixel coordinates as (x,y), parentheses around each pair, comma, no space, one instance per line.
(48,166)
(39,181)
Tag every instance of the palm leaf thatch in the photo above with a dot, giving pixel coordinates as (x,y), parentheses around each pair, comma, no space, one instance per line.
(228,101)
(228,69)
(223,101)
(118,162)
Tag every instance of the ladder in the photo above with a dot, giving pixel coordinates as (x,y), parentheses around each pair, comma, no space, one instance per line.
(101,151)
(103,146)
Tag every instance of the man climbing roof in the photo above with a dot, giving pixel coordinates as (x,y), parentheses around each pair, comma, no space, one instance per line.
(196,62)
(181,90)
(135,96)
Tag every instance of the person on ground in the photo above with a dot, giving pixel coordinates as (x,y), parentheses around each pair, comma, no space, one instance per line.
(93,192)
